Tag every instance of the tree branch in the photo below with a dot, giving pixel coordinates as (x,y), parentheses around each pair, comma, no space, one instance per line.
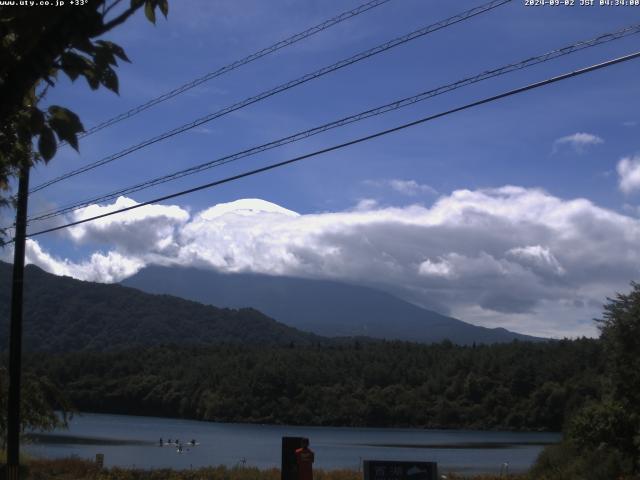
(110,7)
(118,20)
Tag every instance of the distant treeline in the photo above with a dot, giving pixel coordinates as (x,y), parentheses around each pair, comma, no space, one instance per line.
(504,386)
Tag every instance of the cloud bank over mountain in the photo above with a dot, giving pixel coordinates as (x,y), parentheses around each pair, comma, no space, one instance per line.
(512,257)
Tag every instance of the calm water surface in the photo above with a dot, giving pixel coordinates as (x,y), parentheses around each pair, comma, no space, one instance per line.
(133,441)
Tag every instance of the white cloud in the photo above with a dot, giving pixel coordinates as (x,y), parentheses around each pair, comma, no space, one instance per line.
(150,228)
(439,268)
(108,268)
(411,187)
(406,187)
(629,174)
(512,257)
(630,123)
(537,257)
(366,204)
(578,141)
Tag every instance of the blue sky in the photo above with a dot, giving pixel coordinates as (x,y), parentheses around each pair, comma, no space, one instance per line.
(560,148)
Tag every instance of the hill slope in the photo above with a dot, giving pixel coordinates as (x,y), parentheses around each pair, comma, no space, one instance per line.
(323,307)
(63,314)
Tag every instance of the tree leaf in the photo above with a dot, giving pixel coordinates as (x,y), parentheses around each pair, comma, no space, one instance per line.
(116,49)
(84,45)
(47,144)
(66,124)
(149,11)
(68,115)
(164,7)
(109,79)
(103,57)
(73,64)
(92,78)
(36,120)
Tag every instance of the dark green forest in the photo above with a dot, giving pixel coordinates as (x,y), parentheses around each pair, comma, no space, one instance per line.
(64,314)
(531,386)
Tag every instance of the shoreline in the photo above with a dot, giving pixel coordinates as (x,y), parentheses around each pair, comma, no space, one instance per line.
(312,426)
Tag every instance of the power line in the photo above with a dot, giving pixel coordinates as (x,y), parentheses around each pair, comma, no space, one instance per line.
(281,88)
(630,30)
(273,166)
(238,63)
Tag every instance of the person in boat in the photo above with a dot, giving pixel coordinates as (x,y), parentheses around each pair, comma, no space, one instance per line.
(179,448)
(304,461)
(160,441)
(193,441)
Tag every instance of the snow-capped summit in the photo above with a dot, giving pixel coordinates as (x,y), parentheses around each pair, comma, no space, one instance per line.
(246,207)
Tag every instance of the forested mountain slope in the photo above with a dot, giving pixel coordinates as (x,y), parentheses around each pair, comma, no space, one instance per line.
(64,314)
(323,307)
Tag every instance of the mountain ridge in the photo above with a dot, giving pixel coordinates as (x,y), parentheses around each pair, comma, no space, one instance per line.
(65,314)
(323,307)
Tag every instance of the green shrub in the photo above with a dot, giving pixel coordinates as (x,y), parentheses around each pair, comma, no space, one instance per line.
(567,461)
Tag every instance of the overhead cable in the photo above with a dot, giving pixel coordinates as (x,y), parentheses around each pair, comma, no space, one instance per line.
(273,166)
(529,62)
(280,88)
(238,63)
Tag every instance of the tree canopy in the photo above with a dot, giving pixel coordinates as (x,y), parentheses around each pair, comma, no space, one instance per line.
(620,332)
(602,439)
(515,386)
(43,405)
(36,45)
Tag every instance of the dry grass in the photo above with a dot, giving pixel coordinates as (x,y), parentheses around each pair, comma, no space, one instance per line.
(78,469)
(61,469)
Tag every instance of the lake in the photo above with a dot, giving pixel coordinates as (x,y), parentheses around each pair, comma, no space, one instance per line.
(134,441)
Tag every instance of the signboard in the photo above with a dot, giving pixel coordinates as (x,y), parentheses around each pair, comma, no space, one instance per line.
(391,470)
(289,469)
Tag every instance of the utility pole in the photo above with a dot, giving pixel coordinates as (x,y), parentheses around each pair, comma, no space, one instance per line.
(15,336)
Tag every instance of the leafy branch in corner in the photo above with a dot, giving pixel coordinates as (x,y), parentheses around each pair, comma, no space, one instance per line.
(36,45)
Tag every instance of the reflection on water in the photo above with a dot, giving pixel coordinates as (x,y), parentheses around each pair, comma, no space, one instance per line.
(53,438)
(135,441)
